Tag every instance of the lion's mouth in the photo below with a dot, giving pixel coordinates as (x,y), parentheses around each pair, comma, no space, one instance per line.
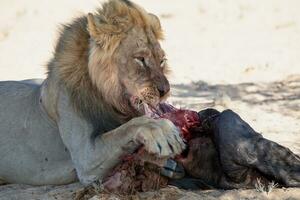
(151,110)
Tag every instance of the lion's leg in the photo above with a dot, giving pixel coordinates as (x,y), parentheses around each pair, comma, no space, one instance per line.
(94,158)
(141,131)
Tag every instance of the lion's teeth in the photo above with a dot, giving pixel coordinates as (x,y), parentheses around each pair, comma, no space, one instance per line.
(147,110)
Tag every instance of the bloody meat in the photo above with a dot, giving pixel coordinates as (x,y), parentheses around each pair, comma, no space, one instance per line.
(138,172)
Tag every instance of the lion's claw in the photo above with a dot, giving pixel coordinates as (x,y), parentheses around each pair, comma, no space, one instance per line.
(159,137)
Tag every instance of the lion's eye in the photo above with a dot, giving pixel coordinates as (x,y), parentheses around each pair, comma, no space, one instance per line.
(140,61)
(163,62)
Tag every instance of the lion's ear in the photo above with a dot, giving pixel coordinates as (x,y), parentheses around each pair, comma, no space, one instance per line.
(92,27)
(106,31)
(156,26)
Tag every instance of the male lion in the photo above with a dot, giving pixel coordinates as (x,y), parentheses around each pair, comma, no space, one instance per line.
(107,69)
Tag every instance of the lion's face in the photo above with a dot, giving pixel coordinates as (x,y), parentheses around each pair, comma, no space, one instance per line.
(125,61)
(141,65)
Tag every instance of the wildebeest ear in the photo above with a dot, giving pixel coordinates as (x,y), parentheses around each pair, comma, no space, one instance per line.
(156,26)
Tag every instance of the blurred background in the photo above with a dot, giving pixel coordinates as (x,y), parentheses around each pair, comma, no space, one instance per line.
(238,54)
(219,41)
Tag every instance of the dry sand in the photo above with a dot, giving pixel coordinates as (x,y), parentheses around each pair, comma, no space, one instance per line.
(237,54)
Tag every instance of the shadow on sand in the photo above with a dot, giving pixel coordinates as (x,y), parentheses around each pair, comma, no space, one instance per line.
(280,96)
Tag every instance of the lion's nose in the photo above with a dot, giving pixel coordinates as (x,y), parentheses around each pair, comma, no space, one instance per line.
(163,89)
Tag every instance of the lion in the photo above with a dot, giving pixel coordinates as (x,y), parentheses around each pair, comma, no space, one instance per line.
(108,70)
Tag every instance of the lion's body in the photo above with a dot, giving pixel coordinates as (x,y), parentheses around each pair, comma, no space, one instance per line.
(34,148)
(31,149)
(79,121)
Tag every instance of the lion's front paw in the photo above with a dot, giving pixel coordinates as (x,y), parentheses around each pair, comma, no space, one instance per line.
(159,137)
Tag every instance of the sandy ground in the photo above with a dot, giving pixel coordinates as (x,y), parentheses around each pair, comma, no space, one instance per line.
(237,54)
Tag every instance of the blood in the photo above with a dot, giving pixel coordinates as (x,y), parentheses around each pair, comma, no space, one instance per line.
(186,120)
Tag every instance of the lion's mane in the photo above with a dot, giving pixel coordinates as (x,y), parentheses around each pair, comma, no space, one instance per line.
(88,73)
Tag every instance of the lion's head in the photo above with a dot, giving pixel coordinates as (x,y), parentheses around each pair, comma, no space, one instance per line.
(112,59)
(126,58)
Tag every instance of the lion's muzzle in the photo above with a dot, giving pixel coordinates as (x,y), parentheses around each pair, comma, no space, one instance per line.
(162,85)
